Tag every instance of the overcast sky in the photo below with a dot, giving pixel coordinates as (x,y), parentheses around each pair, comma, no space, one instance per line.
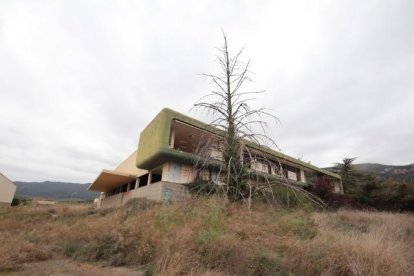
(79,80)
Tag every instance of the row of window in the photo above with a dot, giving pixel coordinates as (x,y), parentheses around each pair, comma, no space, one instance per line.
(187,138)
(121,189)
(141,182)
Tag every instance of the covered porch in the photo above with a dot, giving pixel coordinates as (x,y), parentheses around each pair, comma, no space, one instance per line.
(117,188)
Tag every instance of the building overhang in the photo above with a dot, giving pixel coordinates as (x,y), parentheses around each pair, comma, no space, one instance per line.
(164,155)
(154,147)
(108,180)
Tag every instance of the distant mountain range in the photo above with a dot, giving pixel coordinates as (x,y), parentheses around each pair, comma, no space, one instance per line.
(54,190)
(401,173)
(77,191)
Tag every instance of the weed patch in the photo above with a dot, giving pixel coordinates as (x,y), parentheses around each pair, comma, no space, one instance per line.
(209,237)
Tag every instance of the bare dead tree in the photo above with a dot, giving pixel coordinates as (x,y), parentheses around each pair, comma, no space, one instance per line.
(242,127)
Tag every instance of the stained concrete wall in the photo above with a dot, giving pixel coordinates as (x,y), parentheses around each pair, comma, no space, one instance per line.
(113,201)
(160,191)
(177,173)
(174,192)
(7,190)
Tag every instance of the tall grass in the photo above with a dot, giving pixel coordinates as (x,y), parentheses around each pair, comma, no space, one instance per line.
(208,237)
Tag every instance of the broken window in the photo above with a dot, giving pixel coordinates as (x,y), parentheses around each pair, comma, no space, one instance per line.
(124,188)
(132,185)
(143,180)
(155,177)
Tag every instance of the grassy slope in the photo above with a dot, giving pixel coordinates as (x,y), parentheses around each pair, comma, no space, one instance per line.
(209,238)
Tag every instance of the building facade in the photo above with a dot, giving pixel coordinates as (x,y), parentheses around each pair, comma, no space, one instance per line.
(171,145)
(7,191)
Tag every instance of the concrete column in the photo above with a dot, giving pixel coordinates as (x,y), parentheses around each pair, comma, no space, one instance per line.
(149,178)
(164,175)
(302,176)
(172,138)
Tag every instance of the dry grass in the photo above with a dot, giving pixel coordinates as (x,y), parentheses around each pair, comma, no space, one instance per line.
(208,237)
(357,243)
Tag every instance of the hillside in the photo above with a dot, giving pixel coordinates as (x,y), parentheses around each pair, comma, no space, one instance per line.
(403,173)
(54,190)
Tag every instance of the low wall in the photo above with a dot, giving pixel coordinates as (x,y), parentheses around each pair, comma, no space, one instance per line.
(113,201)
(160,191)
(174,192)
(151,191)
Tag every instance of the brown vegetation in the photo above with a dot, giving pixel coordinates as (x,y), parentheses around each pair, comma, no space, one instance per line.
(207,237)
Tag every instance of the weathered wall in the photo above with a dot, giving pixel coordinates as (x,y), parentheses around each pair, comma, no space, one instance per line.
(112,201)
(177,173)
(292,176)
(174,192)
(160,191)
(259,166)
(151,191)
(154,145)
(7,190)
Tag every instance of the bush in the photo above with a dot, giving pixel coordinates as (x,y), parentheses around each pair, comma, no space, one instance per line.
(19,201)
(325,191)
(267,263)
(204,188)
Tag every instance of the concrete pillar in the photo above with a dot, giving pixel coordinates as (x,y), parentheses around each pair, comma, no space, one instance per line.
(172,137)
(149,178)
(302,176)
(164,175)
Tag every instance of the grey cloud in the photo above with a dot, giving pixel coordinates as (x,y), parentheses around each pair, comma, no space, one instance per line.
(79,80)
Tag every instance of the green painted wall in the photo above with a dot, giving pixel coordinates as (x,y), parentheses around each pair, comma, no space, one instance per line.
(154,150)
(154,138)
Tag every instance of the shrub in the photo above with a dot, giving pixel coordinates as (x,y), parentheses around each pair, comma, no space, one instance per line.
(71,248)
(298,223)
(325,191)
(213,225)
(19,201)
(267,263)
(284,196)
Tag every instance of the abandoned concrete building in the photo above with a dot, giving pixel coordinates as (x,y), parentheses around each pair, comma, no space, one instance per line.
(7,190)
(164,162)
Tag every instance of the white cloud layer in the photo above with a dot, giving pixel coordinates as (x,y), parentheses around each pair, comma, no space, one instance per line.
(80,79)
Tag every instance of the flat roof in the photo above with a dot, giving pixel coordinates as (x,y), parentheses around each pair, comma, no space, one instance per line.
(108,180)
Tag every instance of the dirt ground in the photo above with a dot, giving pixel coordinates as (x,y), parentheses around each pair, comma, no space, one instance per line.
(67,267)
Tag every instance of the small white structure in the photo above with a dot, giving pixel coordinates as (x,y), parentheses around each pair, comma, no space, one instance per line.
(7,190)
